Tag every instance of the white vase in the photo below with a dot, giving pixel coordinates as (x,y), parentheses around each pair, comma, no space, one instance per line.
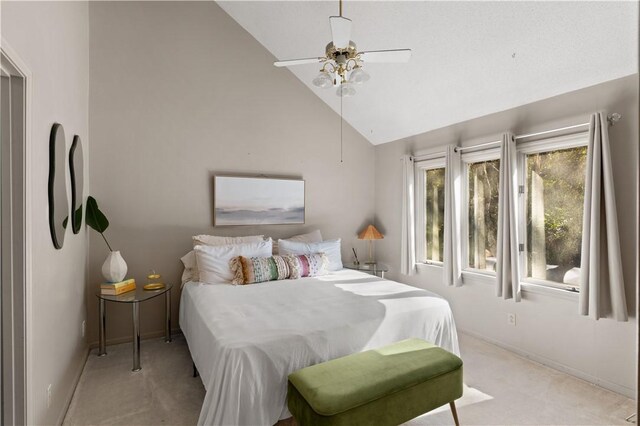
(114,269)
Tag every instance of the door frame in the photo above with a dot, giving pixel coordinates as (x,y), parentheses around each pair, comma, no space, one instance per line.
(10,59)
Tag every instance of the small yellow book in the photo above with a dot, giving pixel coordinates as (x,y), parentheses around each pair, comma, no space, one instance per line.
(118,284)
(118,290)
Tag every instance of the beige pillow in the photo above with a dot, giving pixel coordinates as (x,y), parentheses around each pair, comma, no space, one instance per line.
(190,272)
(310,237)
(214,240)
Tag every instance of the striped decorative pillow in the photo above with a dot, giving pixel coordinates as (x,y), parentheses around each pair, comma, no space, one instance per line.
(249,270)
(307,265)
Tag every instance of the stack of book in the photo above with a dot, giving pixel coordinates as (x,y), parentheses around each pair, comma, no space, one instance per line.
(113,289)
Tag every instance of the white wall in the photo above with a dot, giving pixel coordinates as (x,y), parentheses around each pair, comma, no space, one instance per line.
(51,38)
(179,92)
(549,328)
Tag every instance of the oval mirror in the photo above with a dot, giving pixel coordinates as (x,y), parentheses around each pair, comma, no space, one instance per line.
(76,172)
(58,201)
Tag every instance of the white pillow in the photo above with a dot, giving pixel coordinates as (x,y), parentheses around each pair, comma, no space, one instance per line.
(214,240)
(311,237)
(331,248)
(213,261)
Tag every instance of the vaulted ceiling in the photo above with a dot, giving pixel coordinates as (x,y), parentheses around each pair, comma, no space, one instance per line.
(469,58)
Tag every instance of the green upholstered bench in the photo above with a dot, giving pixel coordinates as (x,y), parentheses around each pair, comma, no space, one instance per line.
(385,386)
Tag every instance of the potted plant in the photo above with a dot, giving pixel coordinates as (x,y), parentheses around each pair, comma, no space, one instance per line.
(114,269)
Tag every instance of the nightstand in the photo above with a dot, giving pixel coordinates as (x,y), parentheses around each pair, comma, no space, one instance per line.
(377,269)
(134,298)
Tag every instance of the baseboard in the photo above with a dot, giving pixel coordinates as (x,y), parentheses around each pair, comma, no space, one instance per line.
(127,339)
(611,386)
(76,380)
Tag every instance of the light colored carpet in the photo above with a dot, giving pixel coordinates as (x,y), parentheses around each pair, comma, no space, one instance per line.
(501,388)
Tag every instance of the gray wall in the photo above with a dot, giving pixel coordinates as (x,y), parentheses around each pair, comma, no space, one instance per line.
(51,39)
(549,329)
(179,92)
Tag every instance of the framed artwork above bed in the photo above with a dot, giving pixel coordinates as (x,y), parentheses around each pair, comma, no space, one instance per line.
(257,201)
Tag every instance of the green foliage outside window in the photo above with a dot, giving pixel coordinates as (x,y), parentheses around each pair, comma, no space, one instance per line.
(554,212)
(434,208)
(483,184)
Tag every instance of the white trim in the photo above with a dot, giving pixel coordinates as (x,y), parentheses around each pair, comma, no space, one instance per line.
(476,276)
(573,140)
(560,142)
(614,387)
(72,391)
(420,226)
(489,154)
(547,290)
(483,155)
(23,69)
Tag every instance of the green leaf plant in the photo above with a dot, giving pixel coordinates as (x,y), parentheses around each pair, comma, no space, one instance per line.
(96,219)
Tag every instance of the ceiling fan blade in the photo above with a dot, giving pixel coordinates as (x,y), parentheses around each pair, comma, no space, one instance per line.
(394,55)
(291,62)
(340,31)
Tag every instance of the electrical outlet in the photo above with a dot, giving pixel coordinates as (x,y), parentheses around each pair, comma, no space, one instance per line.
(49,395)
(511,319)
(84,328)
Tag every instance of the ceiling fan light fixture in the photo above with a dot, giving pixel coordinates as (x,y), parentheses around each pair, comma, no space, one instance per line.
(345,90)
(358,75)
(323,80)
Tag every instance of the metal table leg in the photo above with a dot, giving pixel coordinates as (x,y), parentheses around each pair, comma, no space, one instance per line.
(136,336)
(167,313)
(103,325)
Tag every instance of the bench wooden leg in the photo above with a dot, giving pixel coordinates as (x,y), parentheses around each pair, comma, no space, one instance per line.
(452,404)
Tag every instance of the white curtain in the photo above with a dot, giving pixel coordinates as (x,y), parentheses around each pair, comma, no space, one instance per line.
(508,266)
(601,282)
(452,209)
(408,248)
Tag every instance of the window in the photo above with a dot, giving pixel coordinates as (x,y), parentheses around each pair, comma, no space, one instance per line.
(481,172)
(430,211)
(552,208)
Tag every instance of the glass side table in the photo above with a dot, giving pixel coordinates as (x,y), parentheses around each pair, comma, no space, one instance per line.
(377,269)
(134,298)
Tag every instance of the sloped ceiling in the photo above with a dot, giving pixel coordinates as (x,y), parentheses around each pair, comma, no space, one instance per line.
(469,58)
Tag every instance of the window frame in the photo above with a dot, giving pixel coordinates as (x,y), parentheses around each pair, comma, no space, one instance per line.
(420,210)
(573,140)
(466,159)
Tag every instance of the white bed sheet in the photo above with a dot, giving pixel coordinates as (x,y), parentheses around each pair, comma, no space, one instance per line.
(246,340)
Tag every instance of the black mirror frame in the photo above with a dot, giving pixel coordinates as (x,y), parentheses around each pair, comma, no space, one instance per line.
(76,220)
(52,175)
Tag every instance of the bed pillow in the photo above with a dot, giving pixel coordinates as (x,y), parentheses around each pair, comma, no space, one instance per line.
(190,272)
(310,237)
(307,265)
(330,247)
(213,261)
(249,270)
(214,240)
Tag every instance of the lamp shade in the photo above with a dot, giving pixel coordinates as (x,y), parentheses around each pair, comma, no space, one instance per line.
(370,233)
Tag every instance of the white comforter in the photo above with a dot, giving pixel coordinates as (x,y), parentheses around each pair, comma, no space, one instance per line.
(245,340)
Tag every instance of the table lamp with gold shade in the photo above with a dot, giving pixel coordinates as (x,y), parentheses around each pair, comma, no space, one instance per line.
(370,233)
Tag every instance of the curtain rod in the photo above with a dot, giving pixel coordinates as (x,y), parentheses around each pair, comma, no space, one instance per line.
(611,118)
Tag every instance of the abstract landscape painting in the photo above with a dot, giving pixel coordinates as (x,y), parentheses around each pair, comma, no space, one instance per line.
(257,201)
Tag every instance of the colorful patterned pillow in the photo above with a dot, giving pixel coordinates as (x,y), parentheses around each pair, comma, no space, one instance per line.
(307,265)
(249,270)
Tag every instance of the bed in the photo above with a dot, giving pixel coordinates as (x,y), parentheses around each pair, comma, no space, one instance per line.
(245,340)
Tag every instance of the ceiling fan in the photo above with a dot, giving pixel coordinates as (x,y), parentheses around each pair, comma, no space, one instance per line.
(342,63)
